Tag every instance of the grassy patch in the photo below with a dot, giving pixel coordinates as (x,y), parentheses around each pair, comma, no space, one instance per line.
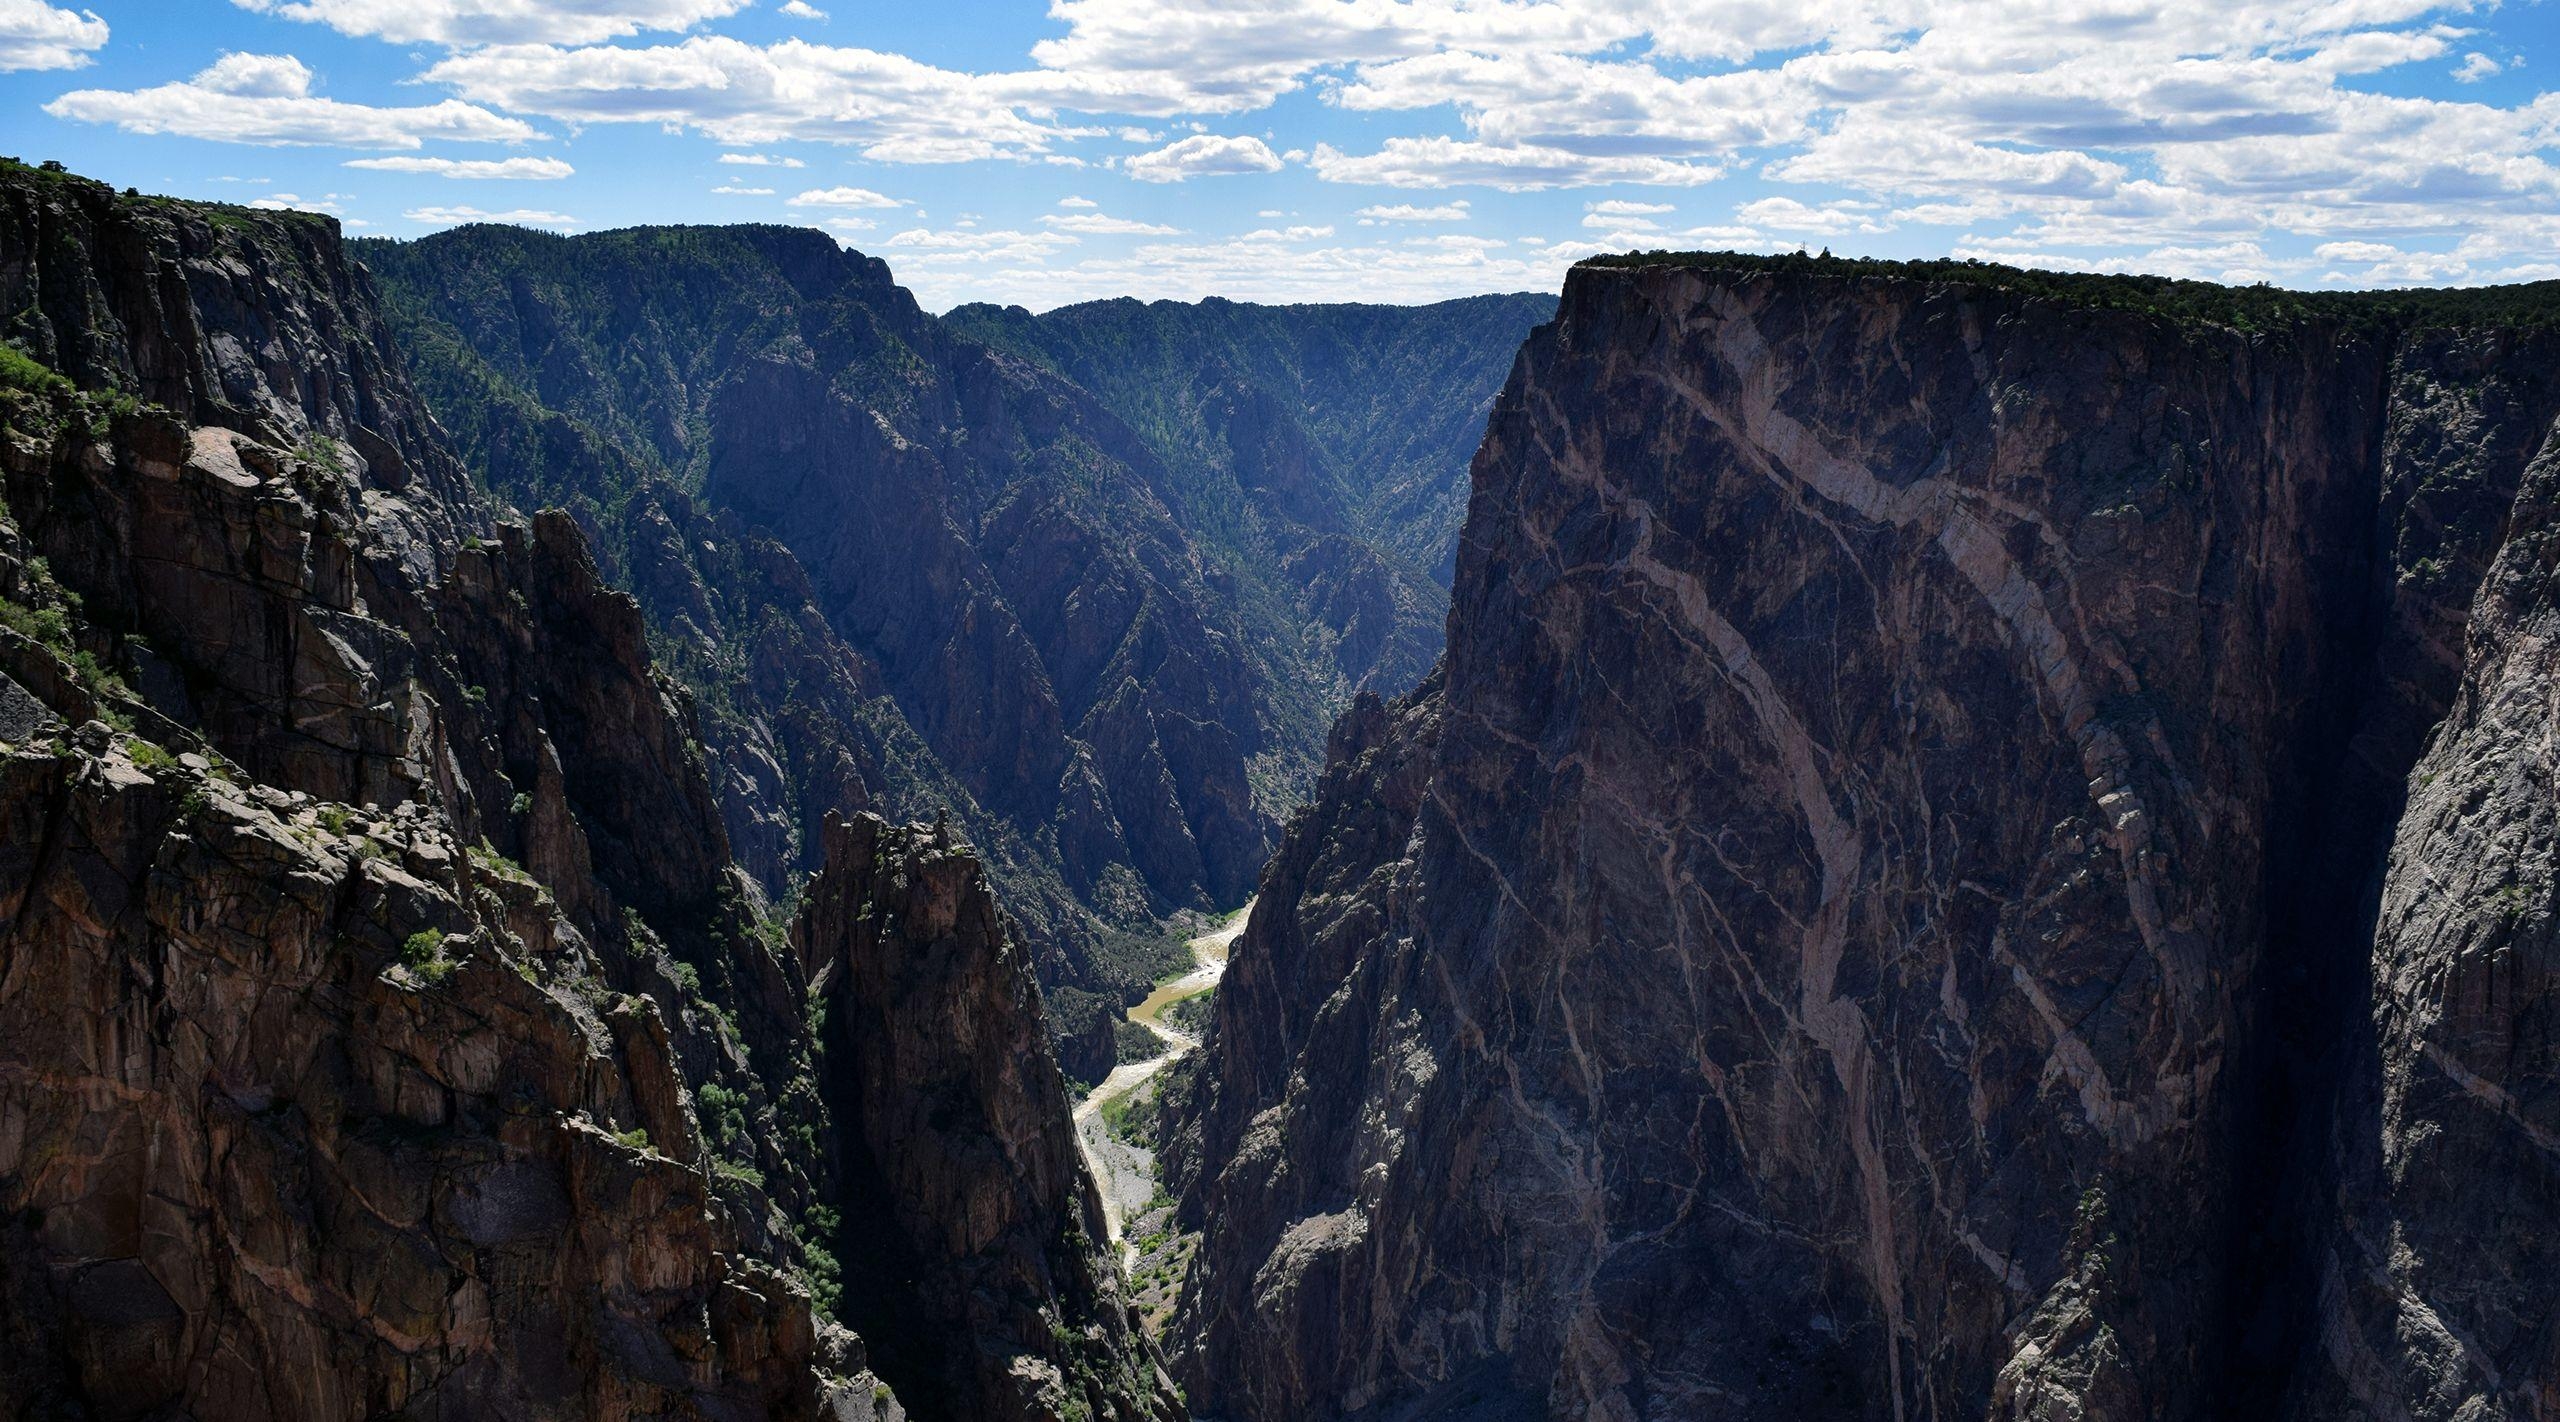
(20,371)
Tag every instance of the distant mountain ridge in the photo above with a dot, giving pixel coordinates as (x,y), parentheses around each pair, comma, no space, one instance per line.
(922,562)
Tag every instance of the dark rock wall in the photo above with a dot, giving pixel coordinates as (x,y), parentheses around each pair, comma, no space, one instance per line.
(384,1026)
(1825,948)
(956,1136)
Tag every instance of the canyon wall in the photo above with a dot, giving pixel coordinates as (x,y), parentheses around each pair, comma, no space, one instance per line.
(385,1027)
(1915,891)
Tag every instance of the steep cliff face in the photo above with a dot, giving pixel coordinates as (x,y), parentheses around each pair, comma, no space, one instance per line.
(1886,867)
(387,1031)
(956,1141)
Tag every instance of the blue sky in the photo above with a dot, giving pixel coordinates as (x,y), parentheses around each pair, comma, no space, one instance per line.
(1397,150)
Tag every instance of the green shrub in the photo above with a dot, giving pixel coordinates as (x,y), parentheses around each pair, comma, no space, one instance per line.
(20,371)
(150,755)
(723,1113)
(423,954)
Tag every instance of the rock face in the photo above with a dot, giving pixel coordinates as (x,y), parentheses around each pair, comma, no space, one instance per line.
(1876,916)
(955,1135)
(384,1027)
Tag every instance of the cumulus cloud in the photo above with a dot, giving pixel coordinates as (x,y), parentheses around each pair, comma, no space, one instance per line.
(520,169)
(1408,212)
(460,216)
(2210,136)
(760,160)
(894,109)
(267,99)
(844,197)
(1098,224)
(476,22)
(34,35)
(1788,215)
(955,246)
(733,190)
(1450,162)
(1203,155)
(288,202)
(1082,202)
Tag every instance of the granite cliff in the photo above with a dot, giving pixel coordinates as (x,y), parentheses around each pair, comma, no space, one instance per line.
(385,1027)
(1981,848)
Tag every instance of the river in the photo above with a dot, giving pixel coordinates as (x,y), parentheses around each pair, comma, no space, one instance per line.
(1127,1173)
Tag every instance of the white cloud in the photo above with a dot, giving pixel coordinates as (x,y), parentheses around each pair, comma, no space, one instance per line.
(1203,155)
(2214,135)
(1786,214)
(892,108)
(1096,224)
(733,190)
(760,160)
(267,99)
(844,197)
(1078,202)
(458,216)
(802,10)
(923,246)
(34,35)
(2475,67)
(522,169)
(1408,212)
(476,22)
(287,202)
(2355,251)
(1449,162)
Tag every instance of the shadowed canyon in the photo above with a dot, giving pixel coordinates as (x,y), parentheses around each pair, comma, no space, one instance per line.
(634,826)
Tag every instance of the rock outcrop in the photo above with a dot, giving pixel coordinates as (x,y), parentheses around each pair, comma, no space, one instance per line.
(980,1224)
(1876,915)
(385,1028)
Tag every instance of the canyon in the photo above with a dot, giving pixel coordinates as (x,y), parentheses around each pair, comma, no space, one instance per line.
(1905,840)
(1098,607)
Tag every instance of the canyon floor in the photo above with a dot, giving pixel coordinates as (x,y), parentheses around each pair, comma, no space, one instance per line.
(1125,1170)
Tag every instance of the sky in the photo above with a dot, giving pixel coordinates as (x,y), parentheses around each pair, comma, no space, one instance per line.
(1337,150)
